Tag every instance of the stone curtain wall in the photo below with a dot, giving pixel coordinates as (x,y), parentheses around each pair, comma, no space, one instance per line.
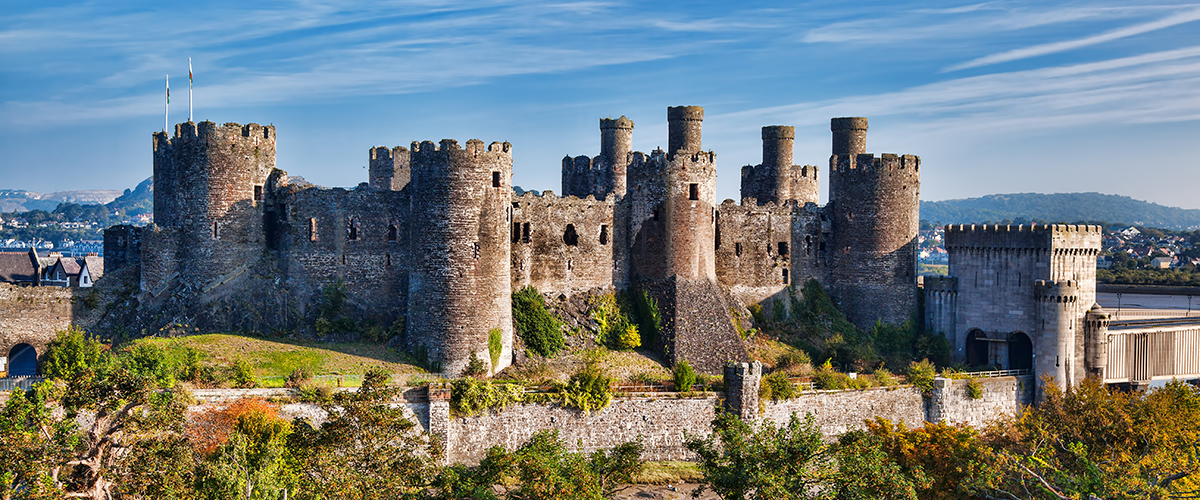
(33,315)
(561,245)
(747,244)
(836,412)
(951,403)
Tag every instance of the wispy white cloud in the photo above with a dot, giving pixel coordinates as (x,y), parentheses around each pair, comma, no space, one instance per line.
(1051,48)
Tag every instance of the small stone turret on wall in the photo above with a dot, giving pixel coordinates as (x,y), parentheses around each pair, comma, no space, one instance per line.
(683,129)
(777,179)
(1054,346)
(389,169)
(742,381)
(1097,341)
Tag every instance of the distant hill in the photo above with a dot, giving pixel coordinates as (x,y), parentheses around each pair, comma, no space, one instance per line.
(1059,207)
(136,201)
(22,201)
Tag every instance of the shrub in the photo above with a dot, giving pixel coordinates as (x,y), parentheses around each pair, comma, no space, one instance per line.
(777,386)
(475,367)
(630,339)
(884,378)
(792,361)
(243,374)
(974,389)
(72,352)
(685,377)
(470,396)
(495,346)
(298,378)
(589,389)
(921,374)
(537,327)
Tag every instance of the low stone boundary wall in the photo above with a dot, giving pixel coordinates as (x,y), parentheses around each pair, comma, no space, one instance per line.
(950,401)
(836,412)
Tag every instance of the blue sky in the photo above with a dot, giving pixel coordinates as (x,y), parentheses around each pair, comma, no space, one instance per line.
(996,97)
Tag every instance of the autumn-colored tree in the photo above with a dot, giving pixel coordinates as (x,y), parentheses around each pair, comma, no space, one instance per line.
(944,461)
(1091,440)
(250,459)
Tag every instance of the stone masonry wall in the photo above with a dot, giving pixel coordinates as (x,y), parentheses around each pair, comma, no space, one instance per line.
(753,248)
(33,315)
(836,412)
(950,403)
(659,422)
(560,245)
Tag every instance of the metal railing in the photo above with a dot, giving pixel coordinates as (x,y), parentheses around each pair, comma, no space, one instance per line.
(23,382)
(998,373)
(1128,314)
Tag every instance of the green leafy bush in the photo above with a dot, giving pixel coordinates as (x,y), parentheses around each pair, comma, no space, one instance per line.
(792,361)
(495,345)
(884,378)
(475,367)
(470,396)
(243,374)
(974,389)
(685,377)
(921,374)
(539,329)
(777,386)
(589,389)
(72,352)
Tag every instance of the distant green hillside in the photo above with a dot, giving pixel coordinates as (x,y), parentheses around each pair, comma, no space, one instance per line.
(1059,207)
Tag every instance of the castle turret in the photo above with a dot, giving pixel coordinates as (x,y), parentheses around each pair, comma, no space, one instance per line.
(874,207)
(777,179)
(616,144)
(1054,347)
(683,125)
(1096,335)
(389,169)
(849,135)
(459,287)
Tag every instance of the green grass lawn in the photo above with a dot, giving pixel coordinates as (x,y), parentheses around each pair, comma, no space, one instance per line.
(274,359)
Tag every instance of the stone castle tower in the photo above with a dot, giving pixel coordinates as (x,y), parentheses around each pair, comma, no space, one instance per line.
(437,241)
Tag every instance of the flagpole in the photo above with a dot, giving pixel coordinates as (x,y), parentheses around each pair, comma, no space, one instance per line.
(167,105)
(189,89)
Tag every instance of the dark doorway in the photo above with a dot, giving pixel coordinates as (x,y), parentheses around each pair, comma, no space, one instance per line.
(22,361)
(977,348)
(1020,352)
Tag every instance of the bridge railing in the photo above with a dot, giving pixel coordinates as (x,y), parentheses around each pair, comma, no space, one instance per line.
(24,382)
(999,373)
(1129,314)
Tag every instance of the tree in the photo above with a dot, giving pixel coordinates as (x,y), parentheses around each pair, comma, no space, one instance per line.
(367,449)
(787,462)
(73,352)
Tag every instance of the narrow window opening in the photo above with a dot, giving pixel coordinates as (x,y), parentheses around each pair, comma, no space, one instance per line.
(656,214)
(717,238)
(389,259)
(258,196)
(569,265)
(785,276)
(737,249)
(312,229)
(693,191)
(516,232)
(783,249)
(525,233)
(495,179)
(808,245)
(343,259)
(570,237)
(216,230)
(391,234)
(604,234)
(353,229)
(476,248)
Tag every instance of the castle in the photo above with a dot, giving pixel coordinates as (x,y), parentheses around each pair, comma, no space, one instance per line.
(437,235)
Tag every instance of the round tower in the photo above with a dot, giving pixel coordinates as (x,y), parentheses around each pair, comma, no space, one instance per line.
(213,180)
(778,143)
(460,284)
(849,135)
(683,125)
(874,214)
(1054,345)
(616,143)
(1097,341)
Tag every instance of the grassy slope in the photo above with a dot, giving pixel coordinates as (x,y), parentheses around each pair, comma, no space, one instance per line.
(275,359)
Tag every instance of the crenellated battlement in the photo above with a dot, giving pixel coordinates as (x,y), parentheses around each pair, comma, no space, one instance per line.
(451,148)
(206,131)
(1064,237)
(383,153)
(616,123)
(1066,291)
(941,284)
